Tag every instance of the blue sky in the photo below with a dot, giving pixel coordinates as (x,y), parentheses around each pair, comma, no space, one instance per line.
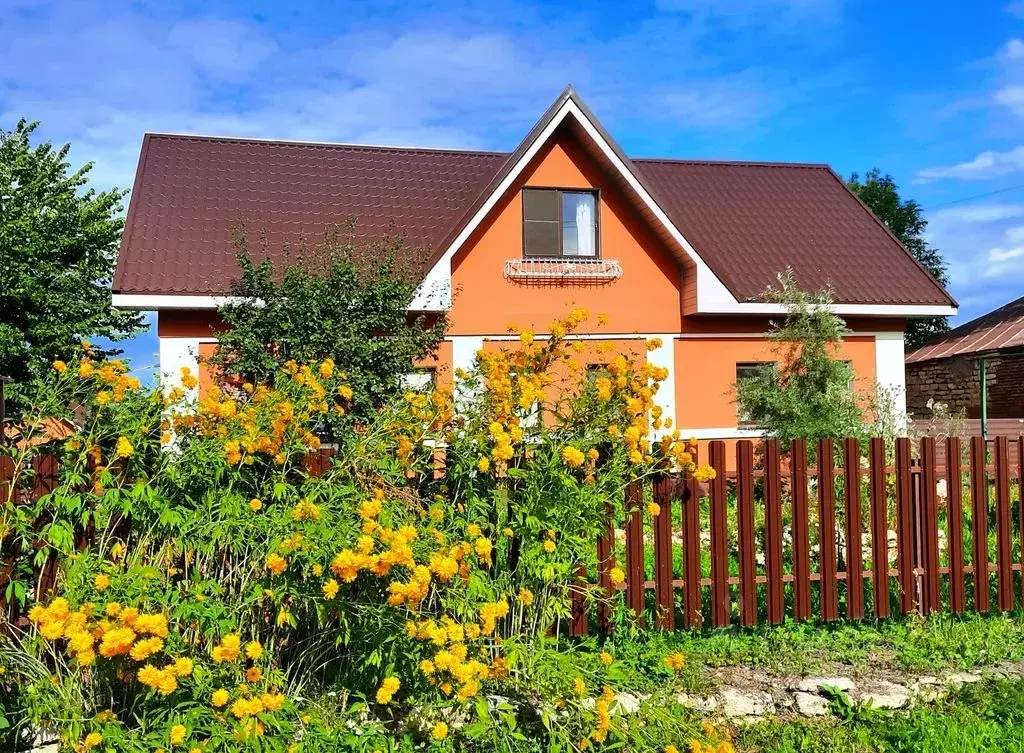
(932,92)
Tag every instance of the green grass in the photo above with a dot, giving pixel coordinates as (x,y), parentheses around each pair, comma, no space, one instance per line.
(913,645)
(984,717)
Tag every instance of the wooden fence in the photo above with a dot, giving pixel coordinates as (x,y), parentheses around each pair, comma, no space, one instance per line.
(938,526)
(848,536)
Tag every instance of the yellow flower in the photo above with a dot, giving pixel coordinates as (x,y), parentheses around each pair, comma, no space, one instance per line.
(255,505)
(671,749)
(525,596)
(102,582)
(330,589)
(220,698)
(276,563)
(92,740)
(616,576)
(178,732)
(705,473)
(387,690)
(124,448)
(254,650)
(440,731)
(653,509)
(573,457)
(483,464)
(579,687)
(483,548)
(183,666)
(675,661)
(606,658)
(253,674)
(60,367)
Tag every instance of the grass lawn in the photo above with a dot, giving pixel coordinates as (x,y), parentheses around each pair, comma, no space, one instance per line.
(988,716)
(905,645)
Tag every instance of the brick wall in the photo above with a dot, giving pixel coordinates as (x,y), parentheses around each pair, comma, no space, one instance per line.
(954,381)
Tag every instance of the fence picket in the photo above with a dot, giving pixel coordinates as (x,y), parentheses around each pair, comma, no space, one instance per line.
(827,530)
(745,531)
(854,530)
(955,524)
(801,531)
(605,563)
(664,485)
(1020,504)
(1004,541)
(635,547)
(932,599)
(879,528)
(692,617)
(979,524)
(904,527)
(773,529)
(578,616)
(720,611)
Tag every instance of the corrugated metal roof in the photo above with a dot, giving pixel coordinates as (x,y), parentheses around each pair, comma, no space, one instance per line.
(997,330)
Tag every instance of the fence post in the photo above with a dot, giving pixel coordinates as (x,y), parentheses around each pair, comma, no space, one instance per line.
(605,558)
(801,531)
(929,527)
(692,616)
(827,530)
(854,530)
(979,523)
(773,529)
(745,531)
(955,524)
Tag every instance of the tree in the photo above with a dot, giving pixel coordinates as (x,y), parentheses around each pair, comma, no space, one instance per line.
(58,248)
(808,394)
(329,301)
(904,218)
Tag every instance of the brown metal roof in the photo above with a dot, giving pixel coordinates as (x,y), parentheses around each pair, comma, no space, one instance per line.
(1001,329)
(747,221)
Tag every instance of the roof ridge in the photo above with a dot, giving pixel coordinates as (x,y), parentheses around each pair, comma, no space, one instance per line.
(731,163)
(329,144)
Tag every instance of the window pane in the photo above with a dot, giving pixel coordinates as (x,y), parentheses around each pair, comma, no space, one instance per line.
(540,238)
(540,204)
(579,224)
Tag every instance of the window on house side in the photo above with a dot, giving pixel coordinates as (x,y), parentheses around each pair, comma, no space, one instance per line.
(748,371)
(559,223)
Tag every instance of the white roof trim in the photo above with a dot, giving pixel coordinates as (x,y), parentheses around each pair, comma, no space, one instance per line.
(843,309)
(155,302)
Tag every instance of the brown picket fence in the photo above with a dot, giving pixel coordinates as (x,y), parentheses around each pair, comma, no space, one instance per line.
(936,526)
(848,536)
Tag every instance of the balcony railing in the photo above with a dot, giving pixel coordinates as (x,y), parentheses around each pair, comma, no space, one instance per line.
(563,267)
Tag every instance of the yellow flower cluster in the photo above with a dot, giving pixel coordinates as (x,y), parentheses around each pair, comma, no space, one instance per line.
(83,628)
(228,649)
(387,689)
(111,377)
(261,421)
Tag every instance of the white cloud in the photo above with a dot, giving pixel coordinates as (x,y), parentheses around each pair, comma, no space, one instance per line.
(732,102)
(1001,254)
(987,164)
(984,213)
(1016,8)
(1014,49)
(1013,98)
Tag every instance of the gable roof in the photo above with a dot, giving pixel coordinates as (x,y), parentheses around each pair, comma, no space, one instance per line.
(744,222)
(1001,329)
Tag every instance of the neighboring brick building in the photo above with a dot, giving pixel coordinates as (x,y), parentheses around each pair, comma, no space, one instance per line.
(947,370)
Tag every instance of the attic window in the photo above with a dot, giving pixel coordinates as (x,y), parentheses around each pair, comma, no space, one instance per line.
(558,223)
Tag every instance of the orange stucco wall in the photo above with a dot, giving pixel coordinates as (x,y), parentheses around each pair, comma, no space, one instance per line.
(705,370)
(646,299)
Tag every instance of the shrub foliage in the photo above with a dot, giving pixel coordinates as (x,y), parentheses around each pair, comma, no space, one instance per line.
(215,595)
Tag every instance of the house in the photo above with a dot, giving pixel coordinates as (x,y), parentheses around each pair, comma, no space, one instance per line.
(977,368)
(681,250)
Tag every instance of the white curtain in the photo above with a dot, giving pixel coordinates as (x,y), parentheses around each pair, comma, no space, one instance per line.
(584,227)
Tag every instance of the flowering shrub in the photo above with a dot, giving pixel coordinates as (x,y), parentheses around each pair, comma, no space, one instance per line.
(217,593)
